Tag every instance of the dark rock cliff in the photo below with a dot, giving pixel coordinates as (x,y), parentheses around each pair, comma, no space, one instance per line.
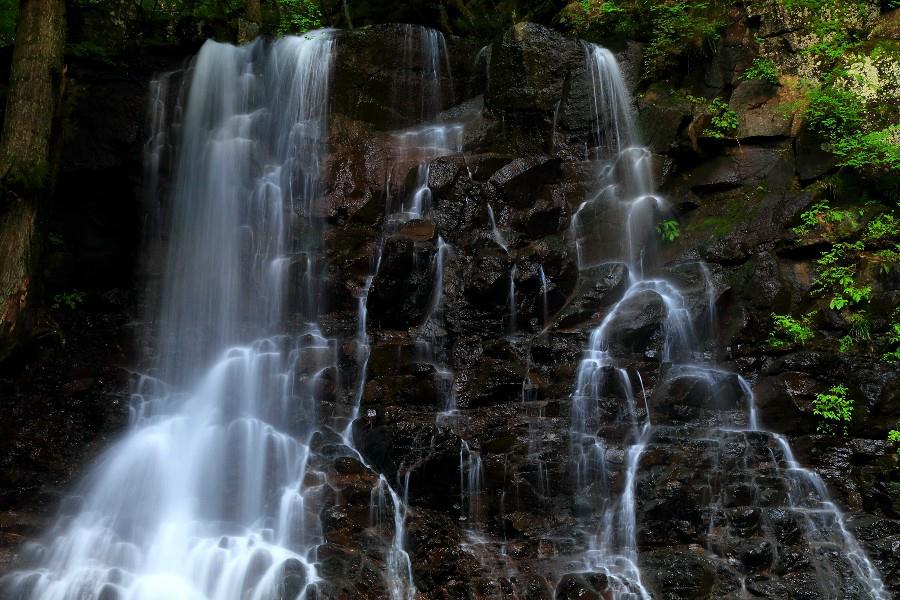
(709,512)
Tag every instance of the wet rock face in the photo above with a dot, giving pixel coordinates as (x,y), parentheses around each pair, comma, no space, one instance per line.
(496,324)
(525,69)
(502,345)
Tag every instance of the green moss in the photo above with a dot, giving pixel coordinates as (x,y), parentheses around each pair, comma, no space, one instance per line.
(854,107)
(831,24)
(739,210)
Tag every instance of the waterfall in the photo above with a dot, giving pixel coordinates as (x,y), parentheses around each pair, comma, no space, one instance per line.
(545,312)
(616,224)
(399,574)
(217,489)
(495,233)
(422,90)
(212,491)
(431,333)
(471,472)
(511,325)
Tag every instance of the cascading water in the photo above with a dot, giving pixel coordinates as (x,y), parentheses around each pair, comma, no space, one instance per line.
(495,233)
(512,326)
(616,225)
(429,339)
(545,310)
(471,472)
(216,491)
(212,492)
(424,87)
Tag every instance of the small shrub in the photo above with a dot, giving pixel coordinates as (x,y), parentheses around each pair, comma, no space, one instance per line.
(821,215)
(71,299)
(893,338)
(883,226)
(834,409)
(763,69)
(788,331)
(888,258)
(837,276)
(722,119)
(893,439)
(878,150)
(834,112)
(860,331)
(668,230)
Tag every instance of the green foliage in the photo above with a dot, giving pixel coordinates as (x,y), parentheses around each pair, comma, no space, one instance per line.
(893,337)
(861,131)
(893,439)
(71,299)
(722,119)
(822,216)
(828,23)
(763,69)
(788,331)
(837,276)
(860,331)
(55,239)
(668,230)
(878,150)
(834,409)
(9,14)
(845,344)
(299,16)
(670,28)
(213,9)
(881,227)
(200,9)
(677,24)
(889,258)
(834,112)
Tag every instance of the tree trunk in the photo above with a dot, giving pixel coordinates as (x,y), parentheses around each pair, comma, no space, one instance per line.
(35,86)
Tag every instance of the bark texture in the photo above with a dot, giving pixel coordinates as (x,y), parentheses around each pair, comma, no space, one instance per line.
(35,87)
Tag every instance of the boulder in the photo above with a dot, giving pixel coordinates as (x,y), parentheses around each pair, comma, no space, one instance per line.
(528,69)
(761,111)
